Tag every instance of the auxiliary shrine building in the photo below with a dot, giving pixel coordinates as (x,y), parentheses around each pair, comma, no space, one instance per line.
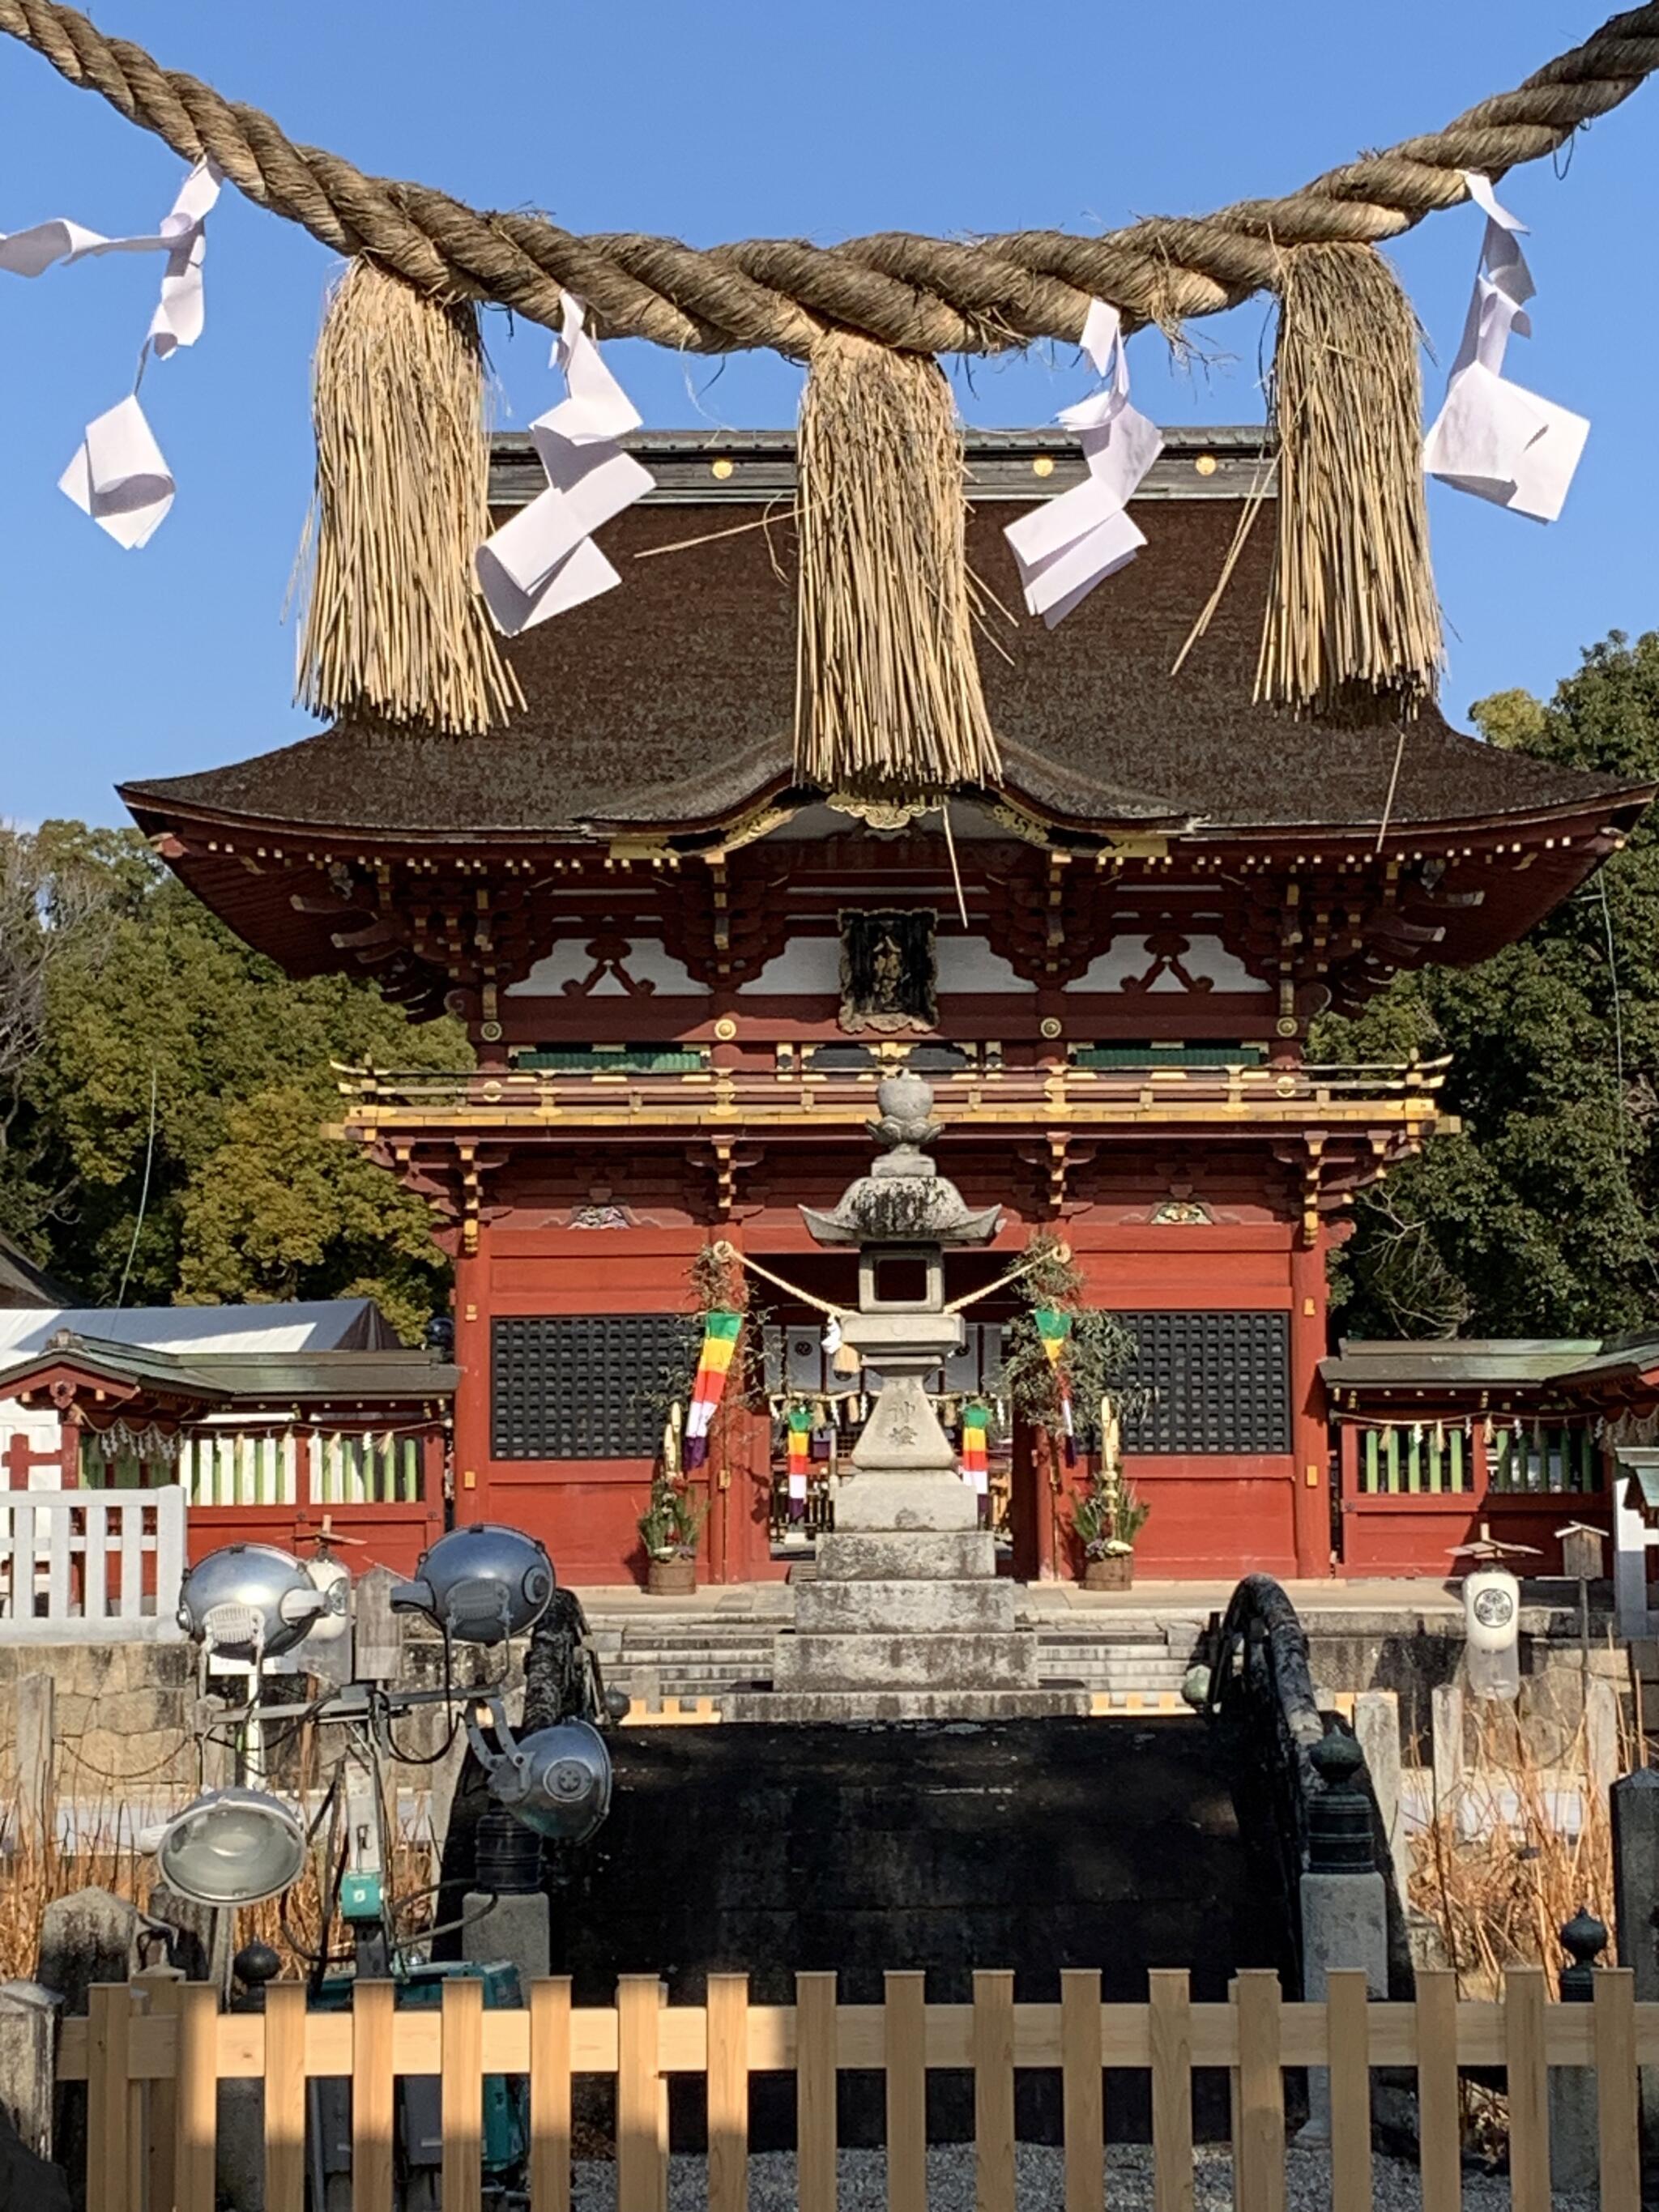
(682,974)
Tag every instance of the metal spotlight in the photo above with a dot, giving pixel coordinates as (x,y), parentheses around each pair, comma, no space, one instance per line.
(232,1847)
(556,1780)
(249,1602)
(483,1585)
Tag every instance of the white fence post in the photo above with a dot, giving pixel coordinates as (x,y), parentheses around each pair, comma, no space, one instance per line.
(38,1527)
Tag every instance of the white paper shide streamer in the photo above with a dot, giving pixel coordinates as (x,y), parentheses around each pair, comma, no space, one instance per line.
(118,475)
(1492,438)
(1068,545)
(544,562)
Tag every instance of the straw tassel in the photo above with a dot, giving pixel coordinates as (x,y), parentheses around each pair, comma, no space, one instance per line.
(395,631)
(887,687)
(1352,627)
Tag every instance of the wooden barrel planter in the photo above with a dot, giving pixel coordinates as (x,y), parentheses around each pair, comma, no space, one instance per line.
(1116,1571)
(676,1577)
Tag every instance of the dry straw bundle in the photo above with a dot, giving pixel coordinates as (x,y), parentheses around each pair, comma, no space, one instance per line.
(888,691)
(1353,628)
(395,631)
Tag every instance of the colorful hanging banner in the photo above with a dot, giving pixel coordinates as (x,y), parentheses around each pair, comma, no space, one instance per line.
(720,1342)
(800,1452)
(1053,1327)
(975,1425)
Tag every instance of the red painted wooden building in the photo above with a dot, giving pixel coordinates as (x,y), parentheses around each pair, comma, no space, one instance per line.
(682,974)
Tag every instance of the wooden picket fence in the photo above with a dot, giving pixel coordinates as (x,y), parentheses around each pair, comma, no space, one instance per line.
(154,2051)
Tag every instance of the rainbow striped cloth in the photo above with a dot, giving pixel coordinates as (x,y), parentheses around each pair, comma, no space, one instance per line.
(720,1342)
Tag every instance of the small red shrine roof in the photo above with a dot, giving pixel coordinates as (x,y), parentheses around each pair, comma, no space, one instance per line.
(1589,1367)
(667,704)
(237,1379)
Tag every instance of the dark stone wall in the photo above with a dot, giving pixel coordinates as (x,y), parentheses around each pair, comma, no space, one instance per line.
(1034,1845)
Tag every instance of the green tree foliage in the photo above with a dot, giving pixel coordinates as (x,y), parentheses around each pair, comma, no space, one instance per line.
(139,993)
(1539,1219)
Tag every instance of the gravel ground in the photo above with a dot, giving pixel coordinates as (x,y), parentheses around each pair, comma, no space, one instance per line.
(1041,2183)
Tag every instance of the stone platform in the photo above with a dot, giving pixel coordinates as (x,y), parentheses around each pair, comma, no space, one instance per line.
(906,1619)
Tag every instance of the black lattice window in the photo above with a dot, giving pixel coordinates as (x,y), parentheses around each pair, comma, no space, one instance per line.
(1218,1383)
(584,1386)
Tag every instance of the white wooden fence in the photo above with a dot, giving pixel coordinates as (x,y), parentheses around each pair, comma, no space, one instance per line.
(79,1566)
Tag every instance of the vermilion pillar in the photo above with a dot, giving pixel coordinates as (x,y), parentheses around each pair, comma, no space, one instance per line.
(472,1393)
(1309,1433)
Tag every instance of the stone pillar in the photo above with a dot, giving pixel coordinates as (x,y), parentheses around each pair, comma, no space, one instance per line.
(28,2040)
(1446,1707)
(1575,2147)
(1636,1893)
(1602,1759)
(1310,1505)
(1344,1901)
(1377,1726)
(377,1655)
(518,1928)
(37,1752)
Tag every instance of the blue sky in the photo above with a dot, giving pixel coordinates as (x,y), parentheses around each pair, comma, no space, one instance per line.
(724,119)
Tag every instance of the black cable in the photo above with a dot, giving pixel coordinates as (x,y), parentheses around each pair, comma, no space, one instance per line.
(431,1759)
(449,1927)
(331,1907)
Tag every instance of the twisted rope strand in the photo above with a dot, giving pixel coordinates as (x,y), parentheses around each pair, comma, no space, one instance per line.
(925,294)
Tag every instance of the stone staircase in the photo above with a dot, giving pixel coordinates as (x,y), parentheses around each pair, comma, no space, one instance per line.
(682,1653)
(1119,1658)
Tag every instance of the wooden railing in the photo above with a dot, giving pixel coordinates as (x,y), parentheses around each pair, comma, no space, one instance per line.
(90,1564)
(1399,1091)
(153,2053)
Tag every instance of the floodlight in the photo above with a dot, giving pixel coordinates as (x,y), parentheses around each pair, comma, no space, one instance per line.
(232,1847)
(483,1584)
(249,1602)
(556,1780)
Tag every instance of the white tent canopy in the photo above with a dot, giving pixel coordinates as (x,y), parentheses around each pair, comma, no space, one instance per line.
(310,1325)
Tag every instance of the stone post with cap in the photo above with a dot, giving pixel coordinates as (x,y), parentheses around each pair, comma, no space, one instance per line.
(1575,2154)
(1345,1900)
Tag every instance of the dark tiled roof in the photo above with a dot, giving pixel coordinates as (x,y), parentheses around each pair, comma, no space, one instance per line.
(668,702)
(23,1284)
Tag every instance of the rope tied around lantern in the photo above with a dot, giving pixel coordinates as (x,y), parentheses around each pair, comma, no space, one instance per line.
(730,1254)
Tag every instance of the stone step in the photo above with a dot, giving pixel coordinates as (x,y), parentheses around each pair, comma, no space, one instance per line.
(949,1659)
(956,1555)
(845,1705)
(668,1638)
(927,1607)
(666,1647)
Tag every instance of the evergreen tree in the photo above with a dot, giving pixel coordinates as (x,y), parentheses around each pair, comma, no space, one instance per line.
(170,1071)
(1537,1219)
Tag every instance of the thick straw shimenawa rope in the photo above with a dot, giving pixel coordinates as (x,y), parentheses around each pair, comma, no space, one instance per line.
(925,294)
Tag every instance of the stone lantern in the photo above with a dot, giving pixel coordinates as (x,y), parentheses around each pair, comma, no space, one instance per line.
(902,1215)
(906,1617)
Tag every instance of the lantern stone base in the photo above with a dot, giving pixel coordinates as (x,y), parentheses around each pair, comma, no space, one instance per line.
(906,1617)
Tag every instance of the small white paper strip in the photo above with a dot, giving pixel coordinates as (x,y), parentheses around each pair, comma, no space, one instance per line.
(543,562)
(182,236)
(118,475)
(1492,437)
(1067,545)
